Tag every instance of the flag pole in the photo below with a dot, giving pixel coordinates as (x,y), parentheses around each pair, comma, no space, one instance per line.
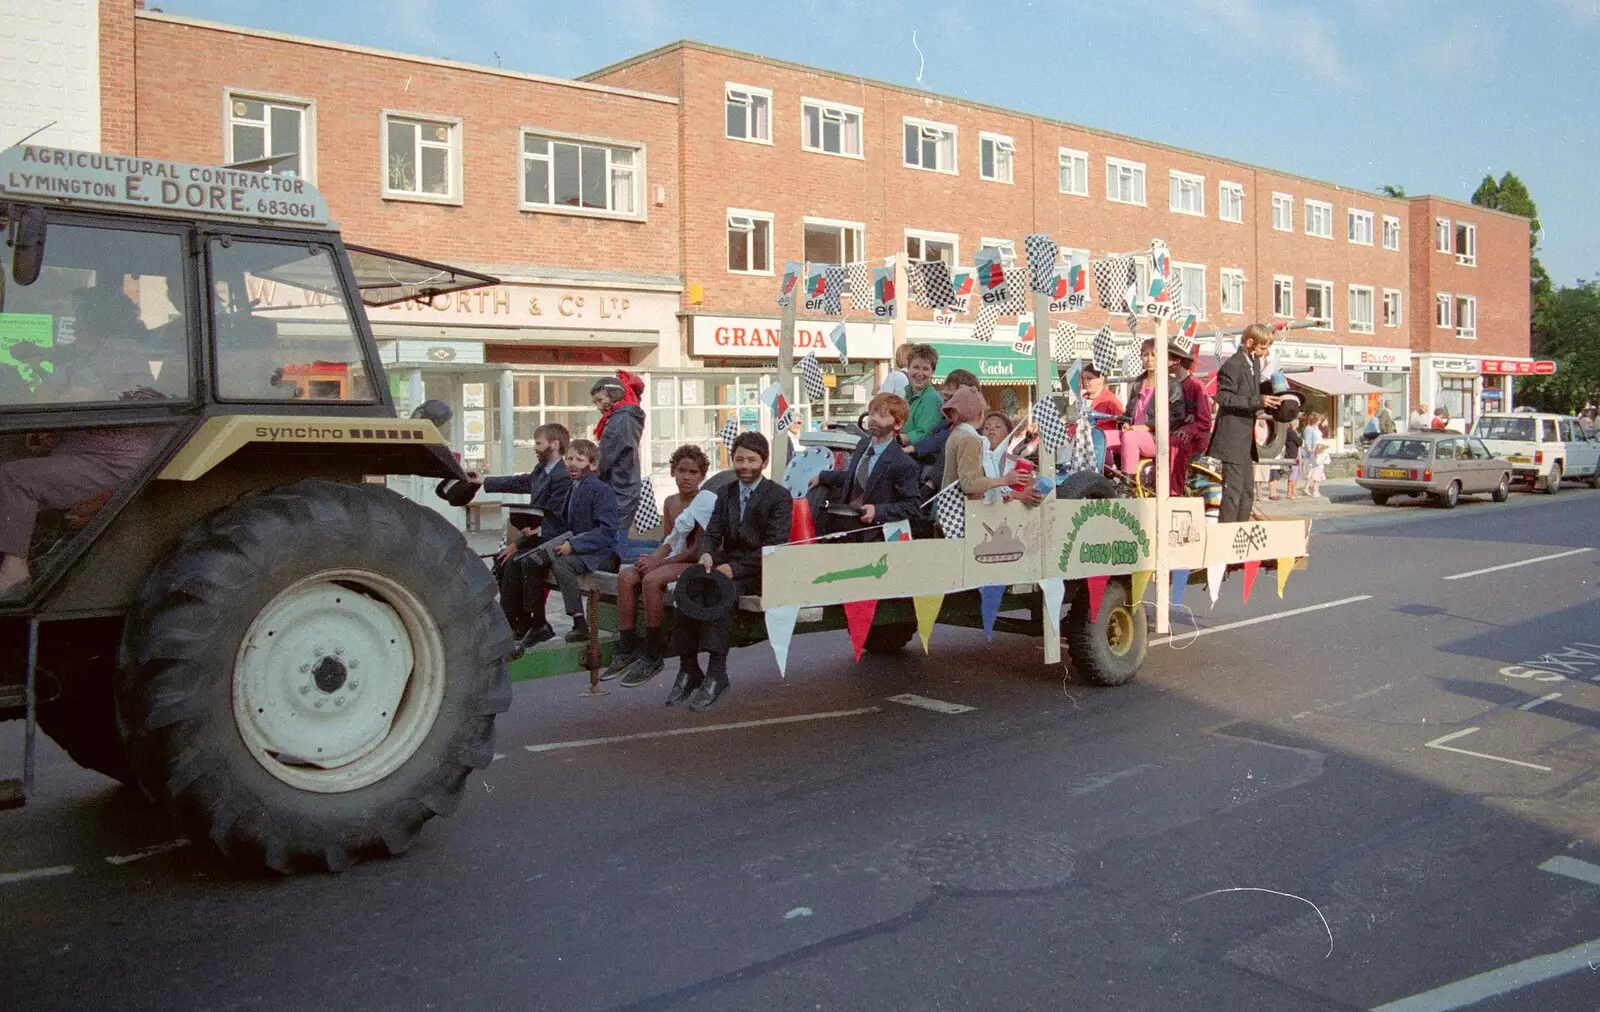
(780,441)
(1044,381)
(1163,443)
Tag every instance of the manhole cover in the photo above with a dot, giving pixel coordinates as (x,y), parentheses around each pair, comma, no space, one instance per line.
(979,860)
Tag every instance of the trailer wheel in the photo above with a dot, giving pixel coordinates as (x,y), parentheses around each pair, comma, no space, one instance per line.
(1110,649)
(883,640)
(1086,485)
(312,674)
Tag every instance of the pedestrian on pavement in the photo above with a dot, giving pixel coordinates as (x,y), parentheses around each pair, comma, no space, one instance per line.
(1420,420)
(1386,424)
(1441,418)
(1314,455)
(1292,442)
(1239,398)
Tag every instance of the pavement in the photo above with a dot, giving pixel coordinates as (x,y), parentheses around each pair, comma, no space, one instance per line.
(1380,792)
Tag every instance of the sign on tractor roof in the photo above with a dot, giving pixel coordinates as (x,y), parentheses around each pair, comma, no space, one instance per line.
(150,184)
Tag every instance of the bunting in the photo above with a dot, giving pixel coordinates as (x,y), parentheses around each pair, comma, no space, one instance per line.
(1043,255)
(780,630)
(883,293)
(1096,585)
(858,616)
(1284,565)
(811,374)
(927,609)
(1141,580)
(1063,342)
(729,432)
(1251,568)
(1214,574)
(1054,590)
(989,598)
(791,277)
(1180,583)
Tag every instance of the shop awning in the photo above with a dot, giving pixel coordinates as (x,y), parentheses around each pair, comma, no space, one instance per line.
(994,364)
(1334,382)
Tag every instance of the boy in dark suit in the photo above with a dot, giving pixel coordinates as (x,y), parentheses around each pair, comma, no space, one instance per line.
(882,479)
(547,487)
(751,512)
(1233,442)
(590,521)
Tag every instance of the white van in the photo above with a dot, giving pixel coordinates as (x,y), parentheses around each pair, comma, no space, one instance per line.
(1543,449)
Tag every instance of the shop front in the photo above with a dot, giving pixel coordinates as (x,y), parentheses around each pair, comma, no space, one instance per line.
(1006,371)
(1388,370)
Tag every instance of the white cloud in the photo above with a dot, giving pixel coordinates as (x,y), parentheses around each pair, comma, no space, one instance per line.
(1302,34)
(1585,12)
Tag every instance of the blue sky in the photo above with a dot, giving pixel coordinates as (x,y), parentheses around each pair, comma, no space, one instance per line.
(1426,94)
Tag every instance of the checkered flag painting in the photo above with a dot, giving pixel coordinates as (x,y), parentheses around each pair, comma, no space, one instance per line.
(1063,341)
(1042,256)
(983,330)
(811,373)
(728,433)
(859,279)
(931,287)
(833,287)
(949,510)
(1105,351)
(1112,279)
(648,515)
(1052,430)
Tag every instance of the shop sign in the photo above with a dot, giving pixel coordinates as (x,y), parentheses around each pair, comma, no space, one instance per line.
(1307,354)
(1514,367)
(1377,359)
(758,337)
(544,306)
(431,352)
(994,363)
(1458,365)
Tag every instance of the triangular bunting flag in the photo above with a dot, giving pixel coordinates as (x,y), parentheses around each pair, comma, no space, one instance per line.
(927,607)
(1055,591)
(1097,593)
(1251,568)
(1180,583)
(990,597)
(1214,575)
(780,629)
(1141,580)
(858,616)
(1284,565)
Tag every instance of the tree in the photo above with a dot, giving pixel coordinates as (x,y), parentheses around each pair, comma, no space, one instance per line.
(1391,190)
(1509,194)
(1569,322)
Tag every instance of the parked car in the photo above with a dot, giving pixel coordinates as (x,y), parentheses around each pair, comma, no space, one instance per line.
(1544,449)
(1441,465)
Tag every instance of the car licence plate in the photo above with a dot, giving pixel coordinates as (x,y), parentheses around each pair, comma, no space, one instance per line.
(1520,460)
(1393,472)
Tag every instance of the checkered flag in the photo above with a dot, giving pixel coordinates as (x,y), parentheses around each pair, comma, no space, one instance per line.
(949,510)
(1133,325)
(1081,456)
(1112,279)
(1105,351)
(983,330)
(811,372)
(1014,298)
(729,432)
(930,284)
(1063,341)
(1052,430)
(1043,253)
(832,288)
(1132,362)
(648,516)
(858,280)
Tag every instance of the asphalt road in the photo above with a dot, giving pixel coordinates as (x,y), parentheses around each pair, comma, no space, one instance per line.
(1388,789)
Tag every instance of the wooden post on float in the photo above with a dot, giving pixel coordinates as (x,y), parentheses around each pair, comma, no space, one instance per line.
(780,441)
(1044,383)
(1163,441)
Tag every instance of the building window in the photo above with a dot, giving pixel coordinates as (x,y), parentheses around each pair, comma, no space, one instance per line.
(1282,212)
(1441,235)
(830,129)
(1230,201)
(1124,181)
(749,242)
(1466,244)
(1442,310)
(583,177)
(1074,171)
(1467,317)
(922,245)
(1361,309)
(1319,219)
(1392,308)
(1007,248)
(1359,224)
(260,128)
(422,158)
(1283,296)
(1232,290)
(1193,278)
(994,157)
(1391,232)
(1319,303)
(930,145)
(833,242)
(749,113)
(1186,193)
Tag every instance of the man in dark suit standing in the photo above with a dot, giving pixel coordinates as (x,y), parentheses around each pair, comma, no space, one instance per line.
(751,512)
(1233,443)
(882,480)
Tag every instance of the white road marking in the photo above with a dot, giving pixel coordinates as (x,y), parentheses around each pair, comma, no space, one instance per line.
(1259,619)
(8,877)
(160,848)
(936,705)
(674,732)
(1530,704)
(1504,980)
(1439,743)
(1524,562)
(1571,867)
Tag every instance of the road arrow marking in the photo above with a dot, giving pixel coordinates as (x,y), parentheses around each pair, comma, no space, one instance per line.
(1439,743)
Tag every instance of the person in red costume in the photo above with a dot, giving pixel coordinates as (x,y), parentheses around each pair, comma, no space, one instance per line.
(1194,435)
(618,433)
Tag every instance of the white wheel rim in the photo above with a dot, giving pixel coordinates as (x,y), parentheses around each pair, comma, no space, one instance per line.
(338,680)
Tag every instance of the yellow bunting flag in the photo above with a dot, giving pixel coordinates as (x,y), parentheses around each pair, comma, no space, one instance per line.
(1284,565)
(927,612)
(1141,580)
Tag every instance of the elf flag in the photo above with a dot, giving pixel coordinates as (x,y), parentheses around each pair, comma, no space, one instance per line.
(991,272)
(883,293)
(775,401)
(962,282)
(838,338)
(791,278)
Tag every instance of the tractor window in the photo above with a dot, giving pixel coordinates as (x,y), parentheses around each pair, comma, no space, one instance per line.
(284,329)
(103,323)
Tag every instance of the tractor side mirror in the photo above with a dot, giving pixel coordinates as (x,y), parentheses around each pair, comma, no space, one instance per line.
(435,411)
(27,245)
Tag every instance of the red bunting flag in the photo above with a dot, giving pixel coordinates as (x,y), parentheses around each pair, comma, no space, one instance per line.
(1097,592)
(858,616)
(1250,569)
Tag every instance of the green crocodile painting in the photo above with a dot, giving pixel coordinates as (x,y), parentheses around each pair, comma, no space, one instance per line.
(872,570)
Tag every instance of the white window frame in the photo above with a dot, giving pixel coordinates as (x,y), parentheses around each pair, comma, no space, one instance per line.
(1189,292)
(753,216)
(1232,277)
(1285,202)
(308,125)
(1358,326)
(1180,183)
(749,91)
(1007,248)
(457,192)
(609,143)
(1394,297)
(1388,221)
(1283,284)
(826,109)
(926,235)
(1470,257)
(1444,308)
(1466,329)
(1114,168)
(1326,287)
(859,228)
(1354,216)
(1001,143)
(925,125)
(1226,189)
(1326,213)
(1080,171)
(1444,236)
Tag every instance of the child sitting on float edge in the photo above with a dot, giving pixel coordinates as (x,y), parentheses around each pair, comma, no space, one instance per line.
(589,520)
